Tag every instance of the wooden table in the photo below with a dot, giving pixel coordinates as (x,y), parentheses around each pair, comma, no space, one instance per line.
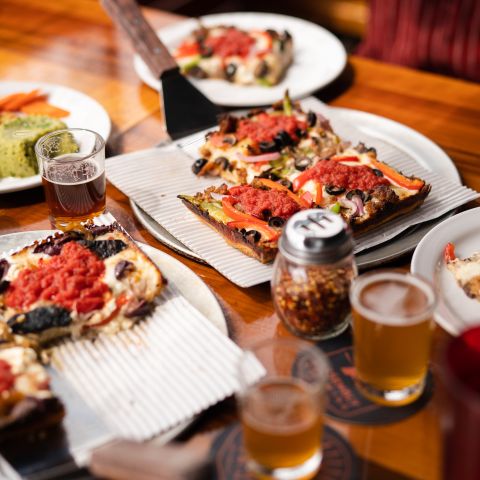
(74,43)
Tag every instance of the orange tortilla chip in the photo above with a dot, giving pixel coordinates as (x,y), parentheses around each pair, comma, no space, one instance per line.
(41,107)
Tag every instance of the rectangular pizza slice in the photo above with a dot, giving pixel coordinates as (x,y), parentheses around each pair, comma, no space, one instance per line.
(364,190)
(249,217)
(77,283)
(466,271)
(26,400)
(273,144)
(244,57)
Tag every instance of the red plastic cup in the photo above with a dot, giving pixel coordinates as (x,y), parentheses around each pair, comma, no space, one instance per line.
(461,422)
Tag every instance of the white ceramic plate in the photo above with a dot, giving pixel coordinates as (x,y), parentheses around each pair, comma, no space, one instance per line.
(85,112)
(188,283)
(456,311)
(423,150)
(319,57)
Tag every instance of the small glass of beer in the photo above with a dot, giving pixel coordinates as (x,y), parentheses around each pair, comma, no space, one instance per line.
(72,165)
(282,412)
(392,328)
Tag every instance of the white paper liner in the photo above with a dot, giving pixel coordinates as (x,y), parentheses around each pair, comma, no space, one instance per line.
(153,179)
(164,371)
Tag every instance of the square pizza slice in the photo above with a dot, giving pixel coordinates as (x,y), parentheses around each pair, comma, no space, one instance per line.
(77,283)
(26,400)
(244,57)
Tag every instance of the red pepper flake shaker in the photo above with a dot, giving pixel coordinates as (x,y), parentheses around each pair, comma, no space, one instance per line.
(312,275)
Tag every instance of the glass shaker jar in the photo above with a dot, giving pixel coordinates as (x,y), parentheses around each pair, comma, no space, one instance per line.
(312,275)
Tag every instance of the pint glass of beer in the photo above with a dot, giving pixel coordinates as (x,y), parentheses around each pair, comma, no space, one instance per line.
(72,165)
(392,328)
(282,412)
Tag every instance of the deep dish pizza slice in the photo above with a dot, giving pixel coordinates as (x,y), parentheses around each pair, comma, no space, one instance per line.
(364,190)
(466,271)
(77,283)
(26,400)
(272,144)
(245,57)
(249,217)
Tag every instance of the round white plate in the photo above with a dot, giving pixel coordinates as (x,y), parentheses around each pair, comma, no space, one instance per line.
(319,57)
(423,150)
(85,112)
(191,286)
(456,311)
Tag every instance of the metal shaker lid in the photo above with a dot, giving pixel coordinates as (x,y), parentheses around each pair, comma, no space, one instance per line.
(316,236)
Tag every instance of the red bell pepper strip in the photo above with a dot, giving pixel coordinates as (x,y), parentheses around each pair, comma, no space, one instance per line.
(307,196)
(268,233)
(230,210)
(187,50)
(319,193)
(301,180)
(449,253)
(278,186)
(397,177)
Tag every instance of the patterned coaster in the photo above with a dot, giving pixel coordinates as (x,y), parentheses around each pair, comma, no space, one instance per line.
(345,403)
(339,461)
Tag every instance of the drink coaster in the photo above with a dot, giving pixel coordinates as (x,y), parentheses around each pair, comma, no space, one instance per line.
(339,460)
(346,403)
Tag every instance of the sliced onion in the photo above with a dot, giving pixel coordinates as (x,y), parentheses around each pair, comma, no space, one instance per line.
(217,196)
(264,157)
(346,203)
(358,202)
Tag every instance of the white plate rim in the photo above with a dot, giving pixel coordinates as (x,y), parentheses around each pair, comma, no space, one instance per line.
(215,312)
(424,250)
(23,183)
(231,18)
(383,253)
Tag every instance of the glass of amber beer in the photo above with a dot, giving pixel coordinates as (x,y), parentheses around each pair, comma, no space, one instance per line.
(282,412)
(72,165)
(392,328)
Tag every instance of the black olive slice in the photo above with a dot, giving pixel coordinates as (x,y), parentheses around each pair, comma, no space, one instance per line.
(97,230)
(267,146)
(269,174)
(377,172)
(277,222)
(222,162)
(286,183)
(266,214)
(300,133)
(122,268)
(4,266)
(53,246)
(351,193)
(139,309)
(302,163)
(198,165)
(197,72)
(39,319)
(283,139)
(230,71)
(104,248)
(311,119)
(4,285)
(229,139)
(332,190)
(253,235)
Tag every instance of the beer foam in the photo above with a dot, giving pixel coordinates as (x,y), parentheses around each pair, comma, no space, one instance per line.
(393,298)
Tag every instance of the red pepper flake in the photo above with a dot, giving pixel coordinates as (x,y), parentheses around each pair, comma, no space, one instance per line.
(255,201)
(71,279)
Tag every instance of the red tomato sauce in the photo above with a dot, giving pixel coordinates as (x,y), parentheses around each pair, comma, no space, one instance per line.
(264,127)
(6,376)
(334,173)
(232,42)
(254,201)
(71,280)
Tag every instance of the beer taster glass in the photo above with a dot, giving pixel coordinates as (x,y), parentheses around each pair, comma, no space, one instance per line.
(282,412)
(72,165)
(392,328)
